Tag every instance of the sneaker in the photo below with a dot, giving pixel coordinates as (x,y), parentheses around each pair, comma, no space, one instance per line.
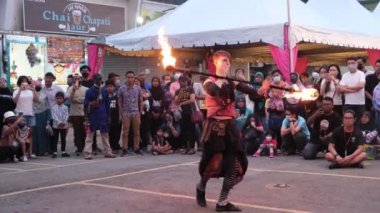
(256,155)
(154,153)
(139,152)
(65,155)
(110,155)
(358,165)
(334,166)
(54,155)
(227,208)
(15,160)
(271,155)
(24,158)
(124,152)
(201,198)
(32,156)
(191,152)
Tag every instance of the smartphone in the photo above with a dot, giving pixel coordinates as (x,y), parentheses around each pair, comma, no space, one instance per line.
(20,114)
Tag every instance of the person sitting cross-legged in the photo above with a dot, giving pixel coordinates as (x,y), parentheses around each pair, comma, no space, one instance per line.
(346,147)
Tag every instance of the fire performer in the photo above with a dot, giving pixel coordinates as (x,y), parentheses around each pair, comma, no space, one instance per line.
(223,154)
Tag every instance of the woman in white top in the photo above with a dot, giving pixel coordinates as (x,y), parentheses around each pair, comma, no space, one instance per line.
(328,87)
(24,97)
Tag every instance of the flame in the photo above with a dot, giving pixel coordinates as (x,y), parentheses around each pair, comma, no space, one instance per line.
(308,94)
(167,58)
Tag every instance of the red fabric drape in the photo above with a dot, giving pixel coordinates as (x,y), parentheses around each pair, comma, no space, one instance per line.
(301,65)
(373,56)
(95,58)
(282,59)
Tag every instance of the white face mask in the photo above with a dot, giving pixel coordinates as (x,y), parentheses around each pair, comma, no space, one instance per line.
(117,83)
(276,79)
(315,75)
(177,75)
(352,67)
(268,138)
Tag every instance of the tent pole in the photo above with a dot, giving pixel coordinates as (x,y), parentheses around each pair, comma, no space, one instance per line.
(289,40)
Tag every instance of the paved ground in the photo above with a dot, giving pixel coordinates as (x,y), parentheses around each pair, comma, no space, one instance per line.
(167,184)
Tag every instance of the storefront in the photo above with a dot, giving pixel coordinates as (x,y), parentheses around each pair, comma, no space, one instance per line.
(54,36)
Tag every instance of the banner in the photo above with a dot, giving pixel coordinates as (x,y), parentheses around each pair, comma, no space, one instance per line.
(70,17)
(65,50)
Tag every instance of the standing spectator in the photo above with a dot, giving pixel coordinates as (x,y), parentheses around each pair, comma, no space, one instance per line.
(372,80)
(115,123)
(329,87)
(174,86)
(323,123)
(361,66)
(130,107)
(376,103)
(42,115)
(76,94)
(319,76)
(294,132)
(346,147)
(24,97)
(259,103)
(51,89)
(146,120)
(274,111)
(185,98)
(352,85)
(86,81)
(96,104)
(143,84)
(60,117)
(156,102)
(6,100)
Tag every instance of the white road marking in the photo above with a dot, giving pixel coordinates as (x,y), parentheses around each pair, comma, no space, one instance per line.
(191,197)
(40,164)
(91,180)
(12,169)
(316,173)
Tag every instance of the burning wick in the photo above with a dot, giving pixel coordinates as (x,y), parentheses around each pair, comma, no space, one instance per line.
(168,60)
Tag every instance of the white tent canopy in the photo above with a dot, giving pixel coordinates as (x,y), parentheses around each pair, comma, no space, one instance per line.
(376,12)
(199,23)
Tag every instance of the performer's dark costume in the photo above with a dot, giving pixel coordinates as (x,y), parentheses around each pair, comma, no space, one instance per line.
(223,154)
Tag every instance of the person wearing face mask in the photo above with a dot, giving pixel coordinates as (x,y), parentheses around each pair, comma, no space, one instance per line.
(270,143)
(96,106)
(173,129)
(86,81)
(352,85)
(41,142)
(76,94)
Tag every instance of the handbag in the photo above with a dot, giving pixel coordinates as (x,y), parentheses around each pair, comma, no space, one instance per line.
(197,115)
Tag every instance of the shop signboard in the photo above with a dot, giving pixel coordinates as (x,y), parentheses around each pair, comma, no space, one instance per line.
(70,17)
(65,50)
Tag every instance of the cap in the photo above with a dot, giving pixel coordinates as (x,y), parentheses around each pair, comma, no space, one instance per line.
(77,75)
(50,74)
(8,114)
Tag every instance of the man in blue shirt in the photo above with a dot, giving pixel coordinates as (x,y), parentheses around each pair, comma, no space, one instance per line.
(294,132)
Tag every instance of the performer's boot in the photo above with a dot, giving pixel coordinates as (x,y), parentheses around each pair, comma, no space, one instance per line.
(201,197)
(227,208)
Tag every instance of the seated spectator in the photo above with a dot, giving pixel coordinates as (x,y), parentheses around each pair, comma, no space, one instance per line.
(173,129)
(160,144)
(369,129)
(346,147)
(294,132)
(268,143)
(242,112)
(323,123)
(252,134)
(8,143)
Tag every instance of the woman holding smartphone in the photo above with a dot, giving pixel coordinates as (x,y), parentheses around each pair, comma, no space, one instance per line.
(329,85)
(23,98)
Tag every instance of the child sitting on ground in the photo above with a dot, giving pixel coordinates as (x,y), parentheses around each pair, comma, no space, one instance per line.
(24,138)
(8,143)
(160,144)
(269,143)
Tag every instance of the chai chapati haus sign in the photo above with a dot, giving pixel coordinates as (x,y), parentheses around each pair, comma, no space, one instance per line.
(70,17)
